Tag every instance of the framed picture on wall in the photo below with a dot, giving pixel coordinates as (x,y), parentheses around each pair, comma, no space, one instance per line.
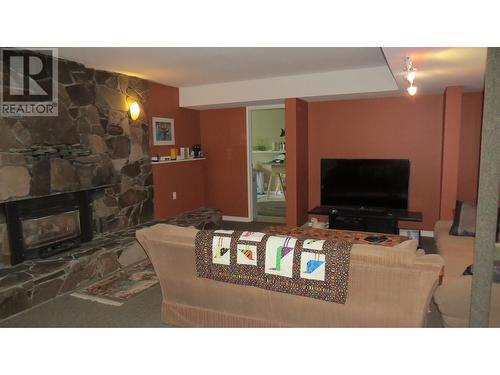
(163,131)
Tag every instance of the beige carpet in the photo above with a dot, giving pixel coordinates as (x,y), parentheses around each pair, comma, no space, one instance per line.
(271,208)
(141,311)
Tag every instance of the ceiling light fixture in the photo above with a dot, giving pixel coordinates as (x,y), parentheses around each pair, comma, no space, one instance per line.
(410,76)
(412,90)
(410,73)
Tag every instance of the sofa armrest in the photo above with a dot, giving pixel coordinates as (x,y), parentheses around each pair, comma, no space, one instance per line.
(453,300)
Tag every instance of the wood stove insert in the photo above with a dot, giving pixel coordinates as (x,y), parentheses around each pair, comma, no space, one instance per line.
(42,227)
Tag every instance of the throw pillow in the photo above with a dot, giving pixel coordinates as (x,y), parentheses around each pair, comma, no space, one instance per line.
(464,222)
(469,271)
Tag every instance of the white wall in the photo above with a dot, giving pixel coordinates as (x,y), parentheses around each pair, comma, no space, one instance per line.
(266,126)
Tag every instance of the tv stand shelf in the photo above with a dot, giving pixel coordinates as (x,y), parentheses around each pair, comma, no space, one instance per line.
(367,220)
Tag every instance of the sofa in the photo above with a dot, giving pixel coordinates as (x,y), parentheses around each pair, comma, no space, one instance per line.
(388,287)
(453,296)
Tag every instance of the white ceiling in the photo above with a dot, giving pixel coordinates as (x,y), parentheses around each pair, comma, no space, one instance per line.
(219,76)
(183,67)
(438,68)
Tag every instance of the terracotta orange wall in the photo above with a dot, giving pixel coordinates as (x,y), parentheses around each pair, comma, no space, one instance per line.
(402,127)
(470,146)
(397,128)
(297,189)
(452,126)
(186,178)
(164,102)
(385,128)
(223,138)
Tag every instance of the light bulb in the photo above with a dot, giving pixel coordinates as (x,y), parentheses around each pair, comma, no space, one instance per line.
(410,76)
(412,90)
(135,111)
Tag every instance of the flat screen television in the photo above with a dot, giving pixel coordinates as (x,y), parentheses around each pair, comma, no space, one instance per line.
(365,183)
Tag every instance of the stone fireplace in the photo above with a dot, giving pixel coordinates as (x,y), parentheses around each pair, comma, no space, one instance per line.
(91,146)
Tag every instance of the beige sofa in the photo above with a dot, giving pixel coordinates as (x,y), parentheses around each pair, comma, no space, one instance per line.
(388,287)
(453,296)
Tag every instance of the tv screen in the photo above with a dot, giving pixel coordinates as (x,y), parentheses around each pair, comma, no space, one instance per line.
(371,183)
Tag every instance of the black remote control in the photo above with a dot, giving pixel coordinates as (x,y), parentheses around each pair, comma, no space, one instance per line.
(376,239)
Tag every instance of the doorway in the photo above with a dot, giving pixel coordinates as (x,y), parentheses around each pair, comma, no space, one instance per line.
(267,161)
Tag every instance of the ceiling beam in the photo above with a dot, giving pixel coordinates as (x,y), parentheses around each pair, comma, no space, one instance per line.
(341,82)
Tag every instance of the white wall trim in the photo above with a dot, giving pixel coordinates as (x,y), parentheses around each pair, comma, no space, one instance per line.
(249,166)
(266,106)
(427,233)
(237,218)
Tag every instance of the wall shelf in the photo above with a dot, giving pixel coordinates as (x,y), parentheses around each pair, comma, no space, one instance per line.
(175,161)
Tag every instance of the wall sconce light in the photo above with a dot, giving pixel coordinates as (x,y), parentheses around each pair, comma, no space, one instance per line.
(134,110)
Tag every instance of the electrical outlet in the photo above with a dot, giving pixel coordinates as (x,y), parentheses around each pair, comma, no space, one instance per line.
(174,195)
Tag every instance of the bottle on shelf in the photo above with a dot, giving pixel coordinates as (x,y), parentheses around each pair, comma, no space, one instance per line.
(173,153)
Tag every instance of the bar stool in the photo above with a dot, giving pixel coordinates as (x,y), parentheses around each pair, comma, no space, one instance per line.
(278,174)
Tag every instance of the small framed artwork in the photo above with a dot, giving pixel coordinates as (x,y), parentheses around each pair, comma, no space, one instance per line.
(163,131)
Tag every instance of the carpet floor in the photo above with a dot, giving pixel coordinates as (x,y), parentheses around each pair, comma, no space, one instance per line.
(141,311)
(271,208)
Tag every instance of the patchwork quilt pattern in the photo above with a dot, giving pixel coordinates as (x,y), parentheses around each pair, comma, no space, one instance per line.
(335,235)
(308,267)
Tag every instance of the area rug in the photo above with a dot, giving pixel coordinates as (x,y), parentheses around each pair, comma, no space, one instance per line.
(120,287)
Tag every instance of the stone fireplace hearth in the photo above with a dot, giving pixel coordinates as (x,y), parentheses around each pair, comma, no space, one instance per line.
(35,281)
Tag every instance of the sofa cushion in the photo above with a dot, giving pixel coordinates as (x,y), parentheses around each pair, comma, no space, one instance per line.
(457,251)
(453,301)
(464,221)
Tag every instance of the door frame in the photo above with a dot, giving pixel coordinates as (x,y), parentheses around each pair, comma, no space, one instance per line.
(249,110)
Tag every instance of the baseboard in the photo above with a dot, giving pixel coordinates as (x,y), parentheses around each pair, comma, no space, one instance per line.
(427,233)
(236,218)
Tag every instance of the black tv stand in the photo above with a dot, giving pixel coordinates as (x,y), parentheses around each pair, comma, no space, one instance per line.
(377,220)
